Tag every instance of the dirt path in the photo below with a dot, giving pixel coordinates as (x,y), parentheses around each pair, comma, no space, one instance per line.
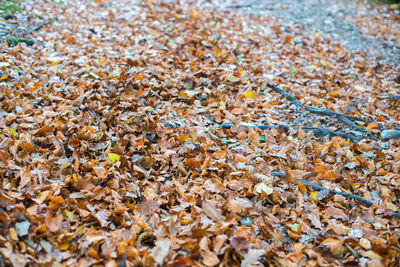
(351,23)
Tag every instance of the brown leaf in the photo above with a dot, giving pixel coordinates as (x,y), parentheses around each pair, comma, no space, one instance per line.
(211,211)
(160,251)
(16,259)
(335,246)
(240,243)
(102,218)
(3,156)
(335,213)
(148,207)
(251,257)
(183,262)
(100,172)
(25,176)
(219,242)
(44,130)
(53,223)
(210,258)
(74,142)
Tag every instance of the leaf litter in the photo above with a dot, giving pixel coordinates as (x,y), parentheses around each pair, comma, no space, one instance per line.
(161,133)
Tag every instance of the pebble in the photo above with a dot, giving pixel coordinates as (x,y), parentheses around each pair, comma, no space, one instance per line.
(390,134)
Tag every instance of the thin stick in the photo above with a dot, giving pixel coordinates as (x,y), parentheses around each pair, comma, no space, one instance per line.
(364,201)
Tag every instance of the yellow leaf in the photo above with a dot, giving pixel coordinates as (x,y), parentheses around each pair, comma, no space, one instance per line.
(14,132)
(334,94)
(250,94)
(75,178)
(185,220)
(100,61)
(64,246)
(13,234)
(70,214)
(313,196)
(393,6)
(216,54)
(113,157)
(4,77)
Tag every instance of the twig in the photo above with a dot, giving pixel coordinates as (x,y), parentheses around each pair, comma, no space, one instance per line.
(348,195)
(351,124)
(288,96)
(344,118)
(28,242)
(318,187)
(240,6)
(317,131)
(319,111)
(355,254)
(38,27)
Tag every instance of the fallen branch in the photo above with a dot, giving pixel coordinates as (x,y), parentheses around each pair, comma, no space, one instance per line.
(288,96)
(319,111)
(38,27)
(318,187)
(317,131)
(351,124)
(240,6)
(344,118)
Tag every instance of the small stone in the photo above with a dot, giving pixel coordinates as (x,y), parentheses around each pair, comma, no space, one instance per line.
(23,228)
(390,134)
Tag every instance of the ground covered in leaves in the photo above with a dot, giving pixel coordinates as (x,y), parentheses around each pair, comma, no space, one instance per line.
(166,133)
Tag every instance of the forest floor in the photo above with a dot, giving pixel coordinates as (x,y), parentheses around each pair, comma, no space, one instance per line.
(199,133)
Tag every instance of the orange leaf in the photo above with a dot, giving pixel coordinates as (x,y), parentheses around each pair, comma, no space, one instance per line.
(302,187)
(183,138)
(74,142)
(3,156)
(44,130)
(193,163)
(28,147)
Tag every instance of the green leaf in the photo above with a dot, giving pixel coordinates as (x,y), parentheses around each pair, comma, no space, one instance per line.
(262,138)
(70,214)
(113,157)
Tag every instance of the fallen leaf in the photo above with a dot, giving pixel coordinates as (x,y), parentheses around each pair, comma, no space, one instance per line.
(211,211)
(335,246)
(240,243)
(209,258)
(160,251)
(251,257)
(53,222)
(113,157)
